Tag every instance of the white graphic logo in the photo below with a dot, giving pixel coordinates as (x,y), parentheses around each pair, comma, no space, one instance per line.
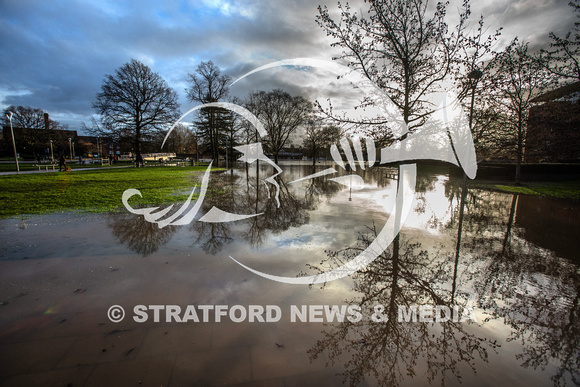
(445,136)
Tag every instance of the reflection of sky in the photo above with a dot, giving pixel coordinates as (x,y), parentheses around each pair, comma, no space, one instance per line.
(437,209)
(66,252)
(337,222)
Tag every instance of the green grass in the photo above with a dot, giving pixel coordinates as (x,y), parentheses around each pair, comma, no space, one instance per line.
(553,189)
(98,190)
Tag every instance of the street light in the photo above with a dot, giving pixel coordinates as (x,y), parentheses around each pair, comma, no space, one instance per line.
(70,147)
(474,76)
(51,154)
(13,143)
(74,154)
(226,153)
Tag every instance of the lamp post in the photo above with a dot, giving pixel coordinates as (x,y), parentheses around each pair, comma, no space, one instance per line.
(51,154)
(473,76)
(70,147)
(13,143)
(98,147)
(74,154)
(196,149)
(226,153)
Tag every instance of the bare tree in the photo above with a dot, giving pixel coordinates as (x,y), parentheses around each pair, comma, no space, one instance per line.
(518,77)
(30,136)
(136,102)
(281,114)
(318,137)
(563,59)
(181,140)
(474,81)
(398,47)
(209,85)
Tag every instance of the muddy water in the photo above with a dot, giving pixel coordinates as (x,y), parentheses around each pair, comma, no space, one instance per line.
(516,269)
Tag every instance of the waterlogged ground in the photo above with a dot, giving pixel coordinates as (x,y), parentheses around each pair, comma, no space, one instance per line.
(516,268)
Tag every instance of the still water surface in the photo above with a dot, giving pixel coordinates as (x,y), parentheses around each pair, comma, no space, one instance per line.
(516,266)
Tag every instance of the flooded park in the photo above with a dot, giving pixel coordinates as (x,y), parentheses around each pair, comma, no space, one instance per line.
(194,313)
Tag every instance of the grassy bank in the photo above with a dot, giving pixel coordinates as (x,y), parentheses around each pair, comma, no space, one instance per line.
(11,167)
(554,189)
(28,166)
(95,190)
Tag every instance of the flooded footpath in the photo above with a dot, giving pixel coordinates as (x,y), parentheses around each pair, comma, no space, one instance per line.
(112,299)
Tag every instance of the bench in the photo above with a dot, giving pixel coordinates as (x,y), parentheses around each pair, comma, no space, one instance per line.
(174,164)
(45,166)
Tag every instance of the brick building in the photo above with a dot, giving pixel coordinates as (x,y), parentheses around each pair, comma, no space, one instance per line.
(553,133)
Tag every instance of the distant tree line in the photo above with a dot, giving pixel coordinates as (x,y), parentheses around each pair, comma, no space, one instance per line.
(136,105)
(34,131)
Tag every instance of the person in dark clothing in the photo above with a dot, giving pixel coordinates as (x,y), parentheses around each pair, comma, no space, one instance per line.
(61,163)
(139,161)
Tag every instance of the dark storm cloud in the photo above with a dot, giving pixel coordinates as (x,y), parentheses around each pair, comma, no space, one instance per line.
(56,54)
(529,20)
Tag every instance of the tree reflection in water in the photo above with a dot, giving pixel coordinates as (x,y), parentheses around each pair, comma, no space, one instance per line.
(291,213)
(245,193)
(389,352)
(138,234)
(511,279)
(316,190)
(212,237)
(528,288)
(237,192)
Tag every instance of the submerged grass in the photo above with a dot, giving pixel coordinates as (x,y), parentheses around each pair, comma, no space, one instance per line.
(98,190)
(553,189)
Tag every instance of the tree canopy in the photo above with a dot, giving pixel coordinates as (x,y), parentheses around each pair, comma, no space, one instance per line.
(400,47)
(135,102)
(281,114)
(29,117)
(209,85)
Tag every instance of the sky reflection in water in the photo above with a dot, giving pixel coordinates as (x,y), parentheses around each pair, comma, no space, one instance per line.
(517,265)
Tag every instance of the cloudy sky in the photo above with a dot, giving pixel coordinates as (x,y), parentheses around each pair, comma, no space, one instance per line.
(55,54)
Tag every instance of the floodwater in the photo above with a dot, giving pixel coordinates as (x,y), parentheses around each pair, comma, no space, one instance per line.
(516,270)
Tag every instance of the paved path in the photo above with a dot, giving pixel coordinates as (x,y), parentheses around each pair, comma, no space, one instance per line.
(56,170)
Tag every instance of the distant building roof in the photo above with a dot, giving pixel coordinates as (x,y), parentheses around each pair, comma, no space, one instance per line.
(560,93)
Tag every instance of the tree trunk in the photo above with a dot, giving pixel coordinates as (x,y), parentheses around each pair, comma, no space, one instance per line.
(518,169)
(313,155)
(519,155)
(138,156)
(510,223)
